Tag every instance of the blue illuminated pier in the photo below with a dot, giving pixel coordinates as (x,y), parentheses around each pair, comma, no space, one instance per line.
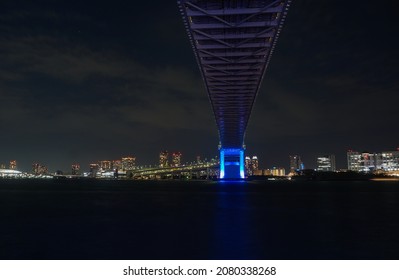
(233,41)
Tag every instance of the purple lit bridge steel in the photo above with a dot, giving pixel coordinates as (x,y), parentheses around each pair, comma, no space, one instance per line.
(233,41)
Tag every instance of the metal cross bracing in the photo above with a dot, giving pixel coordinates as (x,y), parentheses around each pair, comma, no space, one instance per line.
(233,41)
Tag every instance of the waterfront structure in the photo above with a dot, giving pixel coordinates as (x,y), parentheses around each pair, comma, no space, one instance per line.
(13,164)
(128,163)
(163,159)
(295,163)
(326,163)
(233,42)
(10,173)
(176,159)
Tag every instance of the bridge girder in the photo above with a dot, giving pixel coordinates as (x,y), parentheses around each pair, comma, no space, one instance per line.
(233,41)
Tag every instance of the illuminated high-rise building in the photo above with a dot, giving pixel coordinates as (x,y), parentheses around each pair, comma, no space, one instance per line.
(39,169)
(199,159)
(75,169)
(248,165)
(255,163)
(43,169)
(105,164)
(390,160)
(176,159)
(295,163)
(365,162)
(251,165)
(2,166)
(128,163)
(13,164)
(117,165)
(163,159)
(370,162)
(326,163)
(353,159)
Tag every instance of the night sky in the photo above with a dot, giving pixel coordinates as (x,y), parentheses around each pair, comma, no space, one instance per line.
(82,81)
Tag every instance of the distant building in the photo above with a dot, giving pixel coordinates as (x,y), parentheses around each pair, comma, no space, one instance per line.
(2,166)
(255,163)
(278,171)
(117,164)
(248,166)
(9,173)
(176,159)
(163,159)
(128,163)
(368,162)
(295,163)
(390,160)
(251,165)
(39,169)
(105,165)
(93,169)
(75,169)
(275,171)
(353,159)
(13,165)
(199,160)
(258,172)
(326,163)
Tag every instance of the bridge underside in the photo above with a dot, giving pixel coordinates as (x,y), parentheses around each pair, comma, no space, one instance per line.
(233,41)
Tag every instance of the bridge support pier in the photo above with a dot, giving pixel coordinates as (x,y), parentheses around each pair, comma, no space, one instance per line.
(232,163)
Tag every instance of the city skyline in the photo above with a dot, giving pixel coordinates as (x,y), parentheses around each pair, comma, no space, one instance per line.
(79,83)
(322,162)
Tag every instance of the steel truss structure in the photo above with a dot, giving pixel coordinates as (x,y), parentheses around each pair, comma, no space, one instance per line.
(233,41)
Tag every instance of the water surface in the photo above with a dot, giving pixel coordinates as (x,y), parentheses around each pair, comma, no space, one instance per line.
(198,220)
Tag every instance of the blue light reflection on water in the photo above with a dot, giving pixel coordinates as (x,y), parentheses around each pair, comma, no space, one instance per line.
(232,237)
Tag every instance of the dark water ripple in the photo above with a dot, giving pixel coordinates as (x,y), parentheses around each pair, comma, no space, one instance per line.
(199,220)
